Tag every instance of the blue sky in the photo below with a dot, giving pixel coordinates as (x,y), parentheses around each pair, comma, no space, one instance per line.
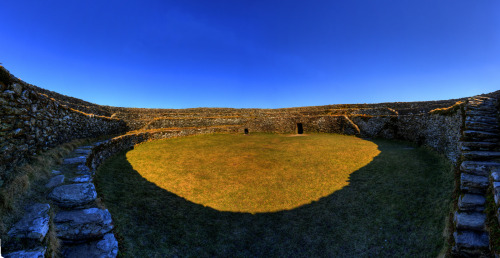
(244,54)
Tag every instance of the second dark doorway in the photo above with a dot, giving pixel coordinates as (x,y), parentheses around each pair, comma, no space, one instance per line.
(300,129)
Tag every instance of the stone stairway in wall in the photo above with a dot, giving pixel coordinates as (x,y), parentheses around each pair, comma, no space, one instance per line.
(480,157)
(82,227)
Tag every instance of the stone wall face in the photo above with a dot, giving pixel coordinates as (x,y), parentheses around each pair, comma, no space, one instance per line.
(311,124)
(440,132)
(139,118)
(284,123)
(31,122)
(125,142)
(193,122)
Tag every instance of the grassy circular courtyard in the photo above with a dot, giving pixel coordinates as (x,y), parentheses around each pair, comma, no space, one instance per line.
(276,195)
(252,173)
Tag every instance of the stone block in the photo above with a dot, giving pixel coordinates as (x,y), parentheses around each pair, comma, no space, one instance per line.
(38,252)
(78,226)
(82,179)
(82,151)
(55,181)
(104,248)
(479,168)
(34,225)
(471,202)
(471,244)
(77,160)
(470,220)
(495,176)
(73,195)
(481,155)
(473,184)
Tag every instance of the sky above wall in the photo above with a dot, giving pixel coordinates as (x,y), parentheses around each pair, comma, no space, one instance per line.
(246,54)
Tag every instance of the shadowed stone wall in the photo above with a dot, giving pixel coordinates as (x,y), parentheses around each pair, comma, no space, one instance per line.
(31,122)
(441,132)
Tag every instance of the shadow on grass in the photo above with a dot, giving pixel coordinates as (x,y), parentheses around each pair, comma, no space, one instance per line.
(395,206)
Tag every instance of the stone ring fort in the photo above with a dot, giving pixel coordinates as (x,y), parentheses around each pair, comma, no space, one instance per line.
(71,213)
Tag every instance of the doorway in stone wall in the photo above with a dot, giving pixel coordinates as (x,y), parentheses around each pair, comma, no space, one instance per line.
(300,129)
(246,130)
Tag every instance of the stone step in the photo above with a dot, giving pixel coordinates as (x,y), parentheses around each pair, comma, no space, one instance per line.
(495,175)
(473,184)
(498,214)
(484,98)
(82,151)
(104,248)
(482,119)
(496,192)
(473,112)
(38,252)
(482,113)
(481,155)
(77,160)
(101,142)
(79,226)
(481,106)
(488,130)
(479,134)
(73,195)
(55,181)
(471,202)
(481,102)
(473,146)
(82,179)
(33,226)
(479,168)
(470,221)
(86,147)
(481,124)
(486,113)
(471,243)
(83,170)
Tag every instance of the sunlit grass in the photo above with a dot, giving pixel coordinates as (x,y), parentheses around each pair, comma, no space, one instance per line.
(252,173)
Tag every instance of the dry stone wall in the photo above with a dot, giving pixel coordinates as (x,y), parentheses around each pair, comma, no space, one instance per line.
(125,142)
(438,131)
(193,122)
(139,118)
(31,122)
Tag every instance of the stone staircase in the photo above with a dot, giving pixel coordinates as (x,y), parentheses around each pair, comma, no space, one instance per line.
(83,228)
(480,155)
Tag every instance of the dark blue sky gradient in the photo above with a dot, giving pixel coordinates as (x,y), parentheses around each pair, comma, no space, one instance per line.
(267,54)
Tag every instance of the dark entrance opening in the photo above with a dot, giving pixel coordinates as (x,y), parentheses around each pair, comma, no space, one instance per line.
(300,130)
(246,130)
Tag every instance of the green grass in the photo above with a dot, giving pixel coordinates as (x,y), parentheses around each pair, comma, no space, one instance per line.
(392,205)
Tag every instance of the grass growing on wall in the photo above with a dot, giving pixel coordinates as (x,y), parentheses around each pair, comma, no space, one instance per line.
(394,205)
